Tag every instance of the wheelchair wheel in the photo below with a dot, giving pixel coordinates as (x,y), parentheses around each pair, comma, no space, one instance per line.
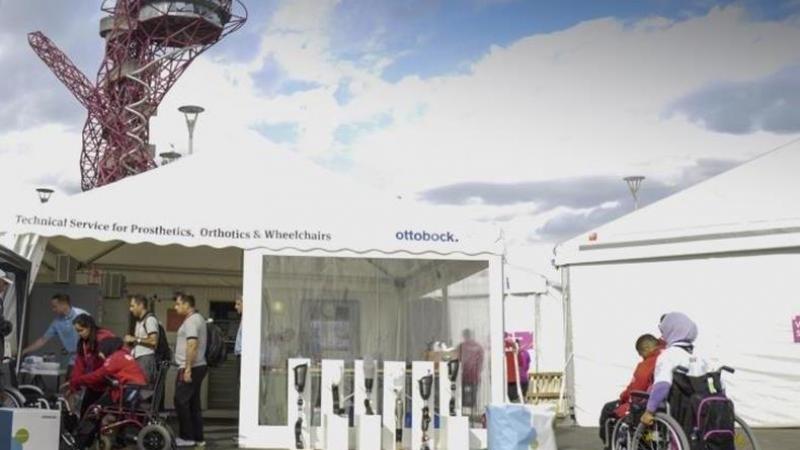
(664,434)
(622,436)
(744,439)
(154,437)
(103,442)
(11,399)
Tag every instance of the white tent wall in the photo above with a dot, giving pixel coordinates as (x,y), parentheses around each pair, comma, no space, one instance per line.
(741,303)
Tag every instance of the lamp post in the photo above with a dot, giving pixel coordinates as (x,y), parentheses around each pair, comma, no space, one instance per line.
(190,112)
(634,184)
(44,194)
(168,157)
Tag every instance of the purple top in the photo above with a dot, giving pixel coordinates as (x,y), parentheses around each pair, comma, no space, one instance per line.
(524,365)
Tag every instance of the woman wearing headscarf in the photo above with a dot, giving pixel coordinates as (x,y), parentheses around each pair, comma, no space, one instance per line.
(88,358)
(679,332)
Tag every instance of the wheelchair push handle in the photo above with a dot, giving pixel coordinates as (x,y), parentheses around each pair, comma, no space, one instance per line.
(685,370)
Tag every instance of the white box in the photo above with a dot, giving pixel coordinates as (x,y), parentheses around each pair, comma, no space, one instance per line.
(336,432)
(454,433)
(368,432)
(29,428)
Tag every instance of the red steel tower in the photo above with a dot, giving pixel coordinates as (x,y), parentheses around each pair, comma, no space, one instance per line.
(148,45)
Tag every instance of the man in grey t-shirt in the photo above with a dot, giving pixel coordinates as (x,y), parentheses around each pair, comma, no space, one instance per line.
(145,336)
(190,355)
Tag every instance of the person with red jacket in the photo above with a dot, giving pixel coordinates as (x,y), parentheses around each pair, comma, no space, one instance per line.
(648,347)
(87,358)
(119,369)
(118,366)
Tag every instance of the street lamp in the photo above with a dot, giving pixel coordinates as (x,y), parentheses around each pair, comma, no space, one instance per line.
(190,112)
(168,157)
(44,194)
(634,184)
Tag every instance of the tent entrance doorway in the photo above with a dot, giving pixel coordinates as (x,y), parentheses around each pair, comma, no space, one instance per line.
(223,381)
(213,276)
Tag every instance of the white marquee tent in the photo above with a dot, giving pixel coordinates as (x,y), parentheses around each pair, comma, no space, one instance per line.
(282,230)
(726,252)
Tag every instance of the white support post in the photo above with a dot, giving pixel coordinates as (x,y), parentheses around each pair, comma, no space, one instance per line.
(454,428)
(367,423)
(419,370)
(335,427)
(394,387)
(294,410)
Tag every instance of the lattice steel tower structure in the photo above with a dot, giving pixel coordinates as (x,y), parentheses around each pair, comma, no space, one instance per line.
(148,45)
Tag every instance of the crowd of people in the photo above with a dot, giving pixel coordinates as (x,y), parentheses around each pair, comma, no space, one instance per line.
(101,364)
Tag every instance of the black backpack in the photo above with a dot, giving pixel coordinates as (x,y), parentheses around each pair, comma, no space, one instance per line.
(216,349)
(162,350)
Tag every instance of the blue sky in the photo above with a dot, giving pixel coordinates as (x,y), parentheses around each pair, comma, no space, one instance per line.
(525,112)
(438,37)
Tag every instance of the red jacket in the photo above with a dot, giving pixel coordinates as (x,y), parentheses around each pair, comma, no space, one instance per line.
(121,367)
(87,361)
(642,380)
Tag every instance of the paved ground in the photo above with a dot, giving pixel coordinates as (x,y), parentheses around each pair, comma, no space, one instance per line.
(220,436)
(574,438)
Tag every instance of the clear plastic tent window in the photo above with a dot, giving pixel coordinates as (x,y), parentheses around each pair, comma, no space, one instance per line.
(383,308)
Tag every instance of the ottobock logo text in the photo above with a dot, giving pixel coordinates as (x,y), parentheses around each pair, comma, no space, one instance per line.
(425,236)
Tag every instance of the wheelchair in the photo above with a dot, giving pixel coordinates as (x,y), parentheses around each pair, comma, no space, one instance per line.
(681,423)
(133,420)
(15,395)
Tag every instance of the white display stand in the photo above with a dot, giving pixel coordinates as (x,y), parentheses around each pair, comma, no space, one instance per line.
(368,432)
(445,394)
(292,402)
(332,372)
(360,391)
(29,428)
(453,432)
(335,432)
(420,369)
(334,428)
(394,383)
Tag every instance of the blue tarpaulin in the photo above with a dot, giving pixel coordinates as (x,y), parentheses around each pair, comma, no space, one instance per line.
(509,427)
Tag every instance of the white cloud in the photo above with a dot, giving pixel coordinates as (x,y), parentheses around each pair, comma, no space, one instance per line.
(587,100)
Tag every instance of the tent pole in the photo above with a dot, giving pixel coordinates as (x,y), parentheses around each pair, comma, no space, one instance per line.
(35,247)
(569,369)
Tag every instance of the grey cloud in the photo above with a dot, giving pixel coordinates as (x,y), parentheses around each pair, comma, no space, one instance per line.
(567,225)
(583,192)
(574,193)
(63,184)
(571,224)
(30,94)
(768,104)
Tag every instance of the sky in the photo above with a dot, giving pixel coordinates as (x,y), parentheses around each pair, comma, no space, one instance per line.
(523,113)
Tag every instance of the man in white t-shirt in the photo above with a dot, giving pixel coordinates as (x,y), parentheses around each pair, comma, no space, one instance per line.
(145,336)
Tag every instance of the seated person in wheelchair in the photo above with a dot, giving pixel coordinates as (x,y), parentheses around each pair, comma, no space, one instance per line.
(648,347)
(679,332)
(119,369)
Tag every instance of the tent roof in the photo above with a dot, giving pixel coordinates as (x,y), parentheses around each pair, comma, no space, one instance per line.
(248,199)
(751,207)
